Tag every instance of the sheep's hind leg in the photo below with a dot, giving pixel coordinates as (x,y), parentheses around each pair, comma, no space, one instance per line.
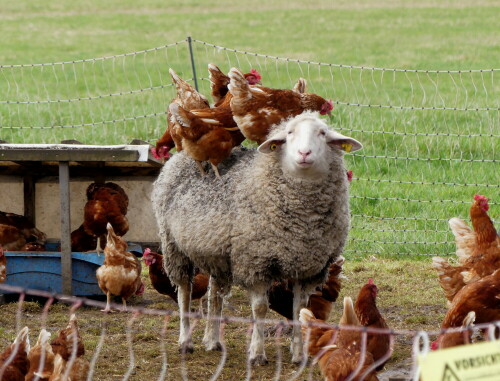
(259,300)
(184,300)
(211,339)
(300,297)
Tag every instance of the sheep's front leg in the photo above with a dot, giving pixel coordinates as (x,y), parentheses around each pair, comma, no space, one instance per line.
(184,300)
(260,303)
(300,297)
(211,339)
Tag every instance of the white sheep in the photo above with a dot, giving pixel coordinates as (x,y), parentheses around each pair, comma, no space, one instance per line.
(280,212)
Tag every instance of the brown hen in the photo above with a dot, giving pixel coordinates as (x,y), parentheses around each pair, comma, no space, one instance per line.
(481,297)
(107,203)
(320,302)
(17,230)
(338,351)
(189,99)
(478,250)
(257,109)
(120,273)
(41,358)
(219,84)
(206,135)
(369,316)
(161,282)
(68,345)
(17,368)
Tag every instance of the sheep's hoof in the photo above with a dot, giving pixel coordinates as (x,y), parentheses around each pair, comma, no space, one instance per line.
(214,347)
(186,348)
(259,360)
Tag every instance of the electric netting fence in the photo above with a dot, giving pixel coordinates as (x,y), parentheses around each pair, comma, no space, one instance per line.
(431,137)
(142,343)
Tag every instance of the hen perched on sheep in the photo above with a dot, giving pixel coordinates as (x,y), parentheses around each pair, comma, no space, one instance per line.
(280,212)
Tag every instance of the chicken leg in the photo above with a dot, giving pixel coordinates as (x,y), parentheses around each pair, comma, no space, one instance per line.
(216,171)
(107,309)
(200,167)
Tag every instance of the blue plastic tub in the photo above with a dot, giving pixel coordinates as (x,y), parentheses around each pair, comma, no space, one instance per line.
(41,270)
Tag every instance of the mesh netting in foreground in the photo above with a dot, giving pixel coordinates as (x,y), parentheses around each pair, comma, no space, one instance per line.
(141,343)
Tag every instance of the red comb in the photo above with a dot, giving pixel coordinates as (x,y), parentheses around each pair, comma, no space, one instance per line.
(147,251)
(349,175)
(434,346)
(479,197)
(155,153)
(256,74)
(370,281)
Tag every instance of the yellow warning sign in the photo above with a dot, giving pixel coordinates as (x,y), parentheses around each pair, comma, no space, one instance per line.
(478,362)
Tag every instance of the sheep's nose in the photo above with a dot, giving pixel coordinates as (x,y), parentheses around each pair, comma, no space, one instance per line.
(304,154)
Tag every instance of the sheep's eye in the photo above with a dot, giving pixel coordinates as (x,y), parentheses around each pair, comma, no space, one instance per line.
(322,132)
(289,132)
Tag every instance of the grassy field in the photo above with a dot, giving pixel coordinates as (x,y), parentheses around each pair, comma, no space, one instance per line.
(418,163)
(422,160)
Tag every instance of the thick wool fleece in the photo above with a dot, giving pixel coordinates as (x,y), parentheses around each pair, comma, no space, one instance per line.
(256,225)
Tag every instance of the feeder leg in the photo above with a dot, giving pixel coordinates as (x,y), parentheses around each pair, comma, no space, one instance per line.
(98,248)
(66,266)
(124,304)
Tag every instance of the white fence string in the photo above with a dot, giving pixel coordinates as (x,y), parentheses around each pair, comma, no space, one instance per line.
(411,122)
(83,308)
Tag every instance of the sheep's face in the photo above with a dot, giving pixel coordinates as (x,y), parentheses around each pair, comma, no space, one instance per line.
(305,146)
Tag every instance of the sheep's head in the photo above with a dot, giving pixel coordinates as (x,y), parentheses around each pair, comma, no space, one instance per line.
(305,144)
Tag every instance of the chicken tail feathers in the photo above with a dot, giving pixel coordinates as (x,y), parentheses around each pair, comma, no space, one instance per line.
(23,338)
(349,315)
(306,316)
(238,85)
(218,82)
(465,238)
(301,86)
(179,114)
(469,319)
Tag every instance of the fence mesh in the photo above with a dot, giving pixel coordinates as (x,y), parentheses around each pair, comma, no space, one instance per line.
(141,343)
(431,137)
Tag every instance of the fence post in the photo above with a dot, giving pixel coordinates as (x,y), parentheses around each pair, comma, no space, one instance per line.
(191,55)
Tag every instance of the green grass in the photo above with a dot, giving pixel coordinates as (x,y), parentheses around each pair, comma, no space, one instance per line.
(425,35)
(433,35)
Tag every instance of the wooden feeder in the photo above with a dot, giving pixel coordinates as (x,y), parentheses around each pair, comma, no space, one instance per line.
(64,271)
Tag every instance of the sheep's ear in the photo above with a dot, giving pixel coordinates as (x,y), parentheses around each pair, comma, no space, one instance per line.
(274,143)
(333,138)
